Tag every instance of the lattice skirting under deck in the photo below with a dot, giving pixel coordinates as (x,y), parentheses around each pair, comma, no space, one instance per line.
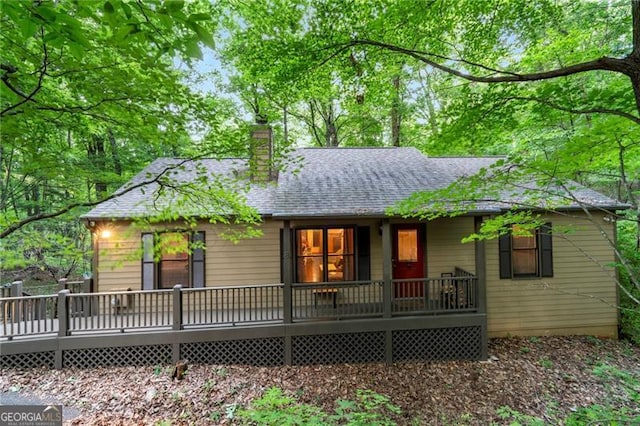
(338,348)
(117,356)
(259,352)
(437,344)
(449,343)
(28,361)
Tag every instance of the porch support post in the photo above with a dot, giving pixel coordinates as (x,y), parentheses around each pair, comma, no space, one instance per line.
(386,267)
(286,272)
(287,295)
(387,287)
(63,313)
(481,273)
(177,307)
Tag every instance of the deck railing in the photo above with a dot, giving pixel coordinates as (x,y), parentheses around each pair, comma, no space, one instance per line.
(333,300)
(67,313)
(435,295)
(90,312)
(231,305)
(28,315)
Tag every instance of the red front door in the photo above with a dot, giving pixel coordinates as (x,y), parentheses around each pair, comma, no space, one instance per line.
(408,260)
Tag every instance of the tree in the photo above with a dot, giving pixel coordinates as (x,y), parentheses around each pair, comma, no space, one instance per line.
(89,94)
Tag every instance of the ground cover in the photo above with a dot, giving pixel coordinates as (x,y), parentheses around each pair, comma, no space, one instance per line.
(546,380)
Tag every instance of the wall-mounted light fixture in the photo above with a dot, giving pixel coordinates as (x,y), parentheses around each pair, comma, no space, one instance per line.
(609,218)
(105,233)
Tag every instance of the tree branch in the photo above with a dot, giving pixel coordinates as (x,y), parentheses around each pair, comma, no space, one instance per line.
(575,110)
(29,97)
(604,63)
(17,225)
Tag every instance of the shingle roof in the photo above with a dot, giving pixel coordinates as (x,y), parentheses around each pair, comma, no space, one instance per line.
(145,199)
(327,182)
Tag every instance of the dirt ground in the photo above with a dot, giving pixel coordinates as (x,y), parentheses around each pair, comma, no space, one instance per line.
(546,377)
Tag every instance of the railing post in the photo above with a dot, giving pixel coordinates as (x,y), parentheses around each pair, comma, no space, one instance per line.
(63,313)
(16,289)
(62,284)
(17,306)
(177,307)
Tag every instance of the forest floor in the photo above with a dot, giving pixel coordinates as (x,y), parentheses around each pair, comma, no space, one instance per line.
(547,378)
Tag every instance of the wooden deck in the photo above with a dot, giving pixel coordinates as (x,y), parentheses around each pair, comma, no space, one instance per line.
(297,325)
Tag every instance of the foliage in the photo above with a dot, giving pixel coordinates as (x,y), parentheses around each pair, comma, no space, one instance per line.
(93,91)
(276,408)
(54,248)
(609,412)
(369,408)
(627,245)
(90,93)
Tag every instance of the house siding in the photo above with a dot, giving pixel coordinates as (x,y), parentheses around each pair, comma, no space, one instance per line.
(445,251)
(119,258)
(579,299)
(250,261)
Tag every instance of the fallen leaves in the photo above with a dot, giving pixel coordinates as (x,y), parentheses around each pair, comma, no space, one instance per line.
(533,376)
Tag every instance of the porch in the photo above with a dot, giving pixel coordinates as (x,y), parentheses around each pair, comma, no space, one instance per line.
(261,324)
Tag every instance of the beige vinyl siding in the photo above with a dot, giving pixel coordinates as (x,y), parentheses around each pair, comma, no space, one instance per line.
(445,251)
(119,258)
(249,261)
(579,299)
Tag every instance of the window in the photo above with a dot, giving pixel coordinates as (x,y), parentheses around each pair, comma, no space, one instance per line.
(325,254)
(407,245)
(523,255)
(171,258)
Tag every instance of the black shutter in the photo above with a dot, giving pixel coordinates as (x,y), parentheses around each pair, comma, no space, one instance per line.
(546,251)
(504,249)
(197,260)
(363,239)
(148,262)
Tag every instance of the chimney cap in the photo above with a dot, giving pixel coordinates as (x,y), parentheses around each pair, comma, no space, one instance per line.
(261,119)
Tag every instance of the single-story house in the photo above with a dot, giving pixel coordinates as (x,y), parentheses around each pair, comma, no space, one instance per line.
(356,284)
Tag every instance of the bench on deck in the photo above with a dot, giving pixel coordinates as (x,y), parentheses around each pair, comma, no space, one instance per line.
(325,292)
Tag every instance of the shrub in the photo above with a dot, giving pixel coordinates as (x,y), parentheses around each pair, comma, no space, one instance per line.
(630,311)
(275,408)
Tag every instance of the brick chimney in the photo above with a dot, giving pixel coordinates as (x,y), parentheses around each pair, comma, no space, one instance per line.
(261,152)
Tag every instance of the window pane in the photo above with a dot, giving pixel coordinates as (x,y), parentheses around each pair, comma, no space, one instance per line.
(309,243)
(174,260)
(148,270)
(147,247)
(174,246)
(523,241)
(174,272)
(525,262)
(408,245)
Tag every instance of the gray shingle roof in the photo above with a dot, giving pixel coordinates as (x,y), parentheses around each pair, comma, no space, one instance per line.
(141,196)
(328,182)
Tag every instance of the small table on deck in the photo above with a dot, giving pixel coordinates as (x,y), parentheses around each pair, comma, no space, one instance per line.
(321,292)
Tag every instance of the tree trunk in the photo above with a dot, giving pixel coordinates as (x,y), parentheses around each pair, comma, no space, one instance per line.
(115,155)
(96,155)
(285,125)
(396,116)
